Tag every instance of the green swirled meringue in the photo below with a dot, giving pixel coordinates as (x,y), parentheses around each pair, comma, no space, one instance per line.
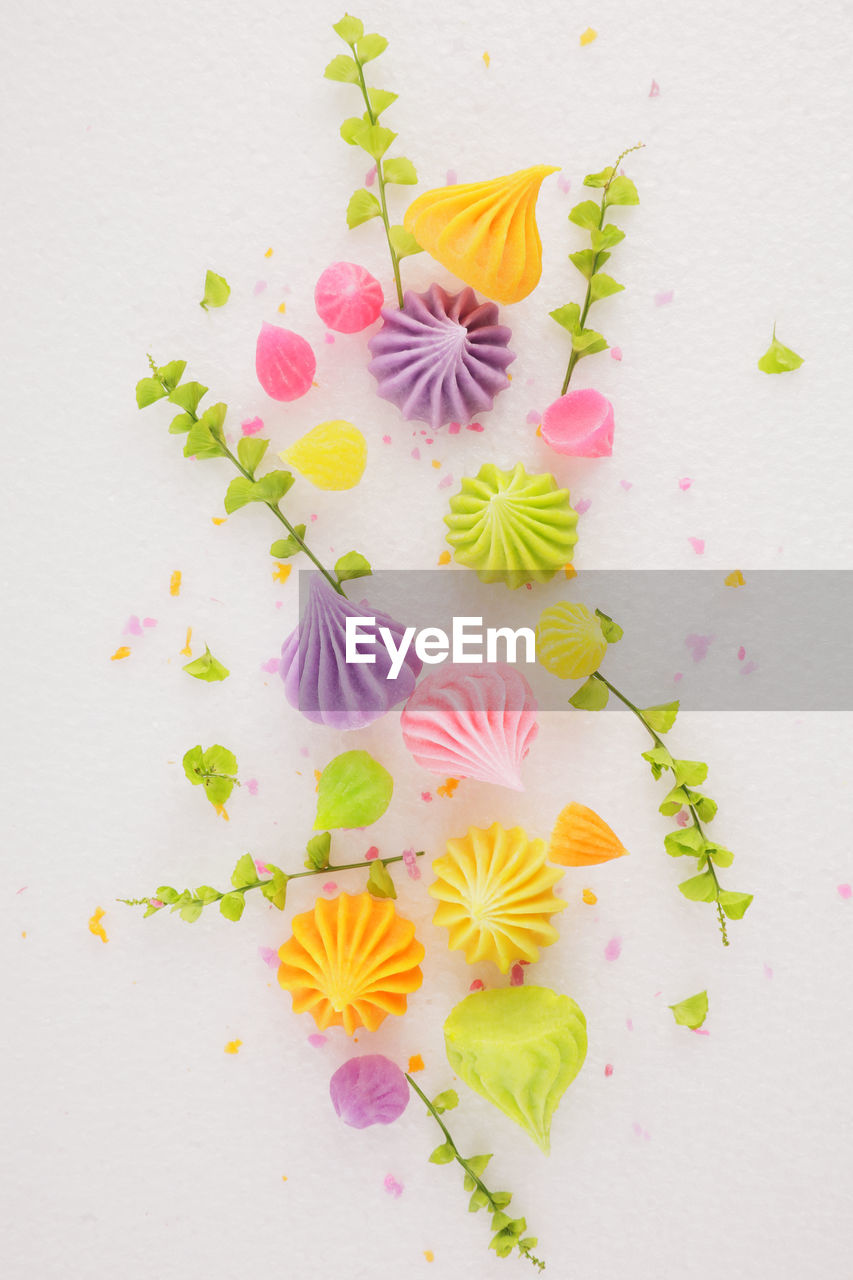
(512,527)
(519,1048)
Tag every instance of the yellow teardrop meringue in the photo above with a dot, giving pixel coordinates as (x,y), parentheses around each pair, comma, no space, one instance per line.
(485,232)
(331,455)
(569,641)
(583,839)
(494,895)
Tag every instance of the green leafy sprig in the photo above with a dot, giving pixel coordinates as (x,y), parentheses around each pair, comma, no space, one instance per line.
(687,775)
(778,358)
(508,1232)
(615,190)
(366,132)
(206,439)
(244,878)
(214,769)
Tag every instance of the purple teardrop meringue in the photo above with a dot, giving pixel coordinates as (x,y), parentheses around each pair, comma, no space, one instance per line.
(369,1090)
(441,358)
(319,682)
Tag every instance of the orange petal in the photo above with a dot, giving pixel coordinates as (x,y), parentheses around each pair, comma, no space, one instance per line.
(582,839)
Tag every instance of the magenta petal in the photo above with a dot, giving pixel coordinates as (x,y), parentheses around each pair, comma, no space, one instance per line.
(284,362)
(369,1090)
(580,424)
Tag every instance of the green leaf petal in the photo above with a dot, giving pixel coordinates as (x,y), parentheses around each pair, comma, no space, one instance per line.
(478,1165)
(205,439)
(376,140)
(659,759)
(172,373)
(606,237)
(147,391)
(479,1199)
(776,359)
(349,29)
(273,486)
(591,696)
(405,244)
(699,888)
(719,855)
(193,763)
(342,68)
(690,773)
(685,841)
(317,849)
(500,1220)
(352,565)
(734,904)
(166,894)
(569,317)
(380,100)
(217,291)
(586,214)
(611,630)
(442,1155)
(705,807)
(675,800)
(275,890)
(602,286)
(362,207)
(379,882)
(691,1012)
(218,789)
(206,893)
(584,260)
(207,668)
(284,548)
(187,396)
(599,179)
(588,341)
(661,717)
(354,791)
(232,906)
(621,191)
(181,424)
(238,494)
(399,170)
(245,873)
(370,47)
(219,759)
(192,911)
(501,1198)
(354,130)
(250,450)
(446,1101)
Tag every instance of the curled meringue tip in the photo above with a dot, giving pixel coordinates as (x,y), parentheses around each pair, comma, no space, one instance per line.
(441,357)
(485,232)
(580,424)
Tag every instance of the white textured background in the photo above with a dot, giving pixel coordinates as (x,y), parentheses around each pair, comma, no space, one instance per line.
(142,144)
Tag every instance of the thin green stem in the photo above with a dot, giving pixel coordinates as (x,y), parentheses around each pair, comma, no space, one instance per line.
(658,741)
(380,179)
(475,1177)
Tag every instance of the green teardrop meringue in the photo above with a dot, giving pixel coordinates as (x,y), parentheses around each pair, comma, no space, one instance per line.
(512,527)
(519,1048)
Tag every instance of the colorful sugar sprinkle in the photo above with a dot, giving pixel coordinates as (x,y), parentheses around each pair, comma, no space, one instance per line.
(175,583)
(233,1046)
(95,925)
(613,950)
(392,1186)
(416,1063)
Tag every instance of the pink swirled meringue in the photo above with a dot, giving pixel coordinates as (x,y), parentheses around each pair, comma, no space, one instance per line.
(319,682)
(472,723)
(442,357)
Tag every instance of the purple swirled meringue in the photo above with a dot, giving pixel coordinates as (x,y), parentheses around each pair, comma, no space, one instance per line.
(442,357)
(319,682)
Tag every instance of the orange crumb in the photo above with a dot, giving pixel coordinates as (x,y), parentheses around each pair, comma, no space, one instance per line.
(570,571)
(222,811)
(187,651)
(509,377)
(486,58)
(429,1255)
(175,583)
(539,429)
(315,383)
(123,652)
(588,36)
(736,579)
(444,558)
(447,787)
(436,463)
(268,253)
(219,519)
(317,777)
(416,1063)
(282,307)
(281,572)
(95,925)
(589,897)
(284,1177)
(24,933)
(233,1046)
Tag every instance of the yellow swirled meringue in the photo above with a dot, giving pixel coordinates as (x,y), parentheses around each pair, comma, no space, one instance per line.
(569,641)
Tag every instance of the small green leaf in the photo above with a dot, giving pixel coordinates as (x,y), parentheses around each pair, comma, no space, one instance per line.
(719,855)
(284,548)
(734,904)
(569,317)
(502,1245)
(245,873)
(690,773)
(273,486)
(147,391)
(219,759)
(380,100)
(217,291)
(599,179)
(218,789)
(606,237)
(207,668)
(502,1198)
(183,899)
(376,140)
(400,170)
(166,894)
(588,341)
(611,630)
(171,373)
(370,47)
(250,450)
(621,191)
(193,763)
(232,906)
(675,800)
(343,69)
(591,696)
(479,1199)
(661,717)
(686,841)
(275,890)
(659,759)
(238,494)
(528,1243)
(691,1012)
(699,888)
(349,29)
(776,359)
(352,565)
(354,791)
(446,1101)
(362,207)
(405,244)
(705,807)
(443,1154)
(317,850)
(206,893)
(354,130)
(586,214)
(478,1165)
(205,439)
(500,1220)
(379,882)
(192,911)
(181,424)
(584,260)
(602,286)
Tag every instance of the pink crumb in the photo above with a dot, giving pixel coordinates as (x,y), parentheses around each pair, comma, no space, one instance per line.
(329,337)
(260,287)
(252,426)
(386,439)
(262,868)
(678,676)
(410,862)
(477,985)
(132,627)
(768,972)
(370,177)
(844,891)
(629,1023)
(613,950)
(698,545)
(565,184)
(316,1041)
(475,426)
(700,1031)
(741,654)
(271,665)
(682,818)
(626,485)
(685,482)
(251,785)
(608,1070)
(330,886)
(416,454)
(664,298)
(372,853)
(748,668)
(516,976)
(615,353)
(426,796)
(304,752)
(454,428)
(451,178)
(269,955)
(698,646)
(582,505)
(445,481)
(654,92)
(149,622)
(534,417)
(393,1187)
